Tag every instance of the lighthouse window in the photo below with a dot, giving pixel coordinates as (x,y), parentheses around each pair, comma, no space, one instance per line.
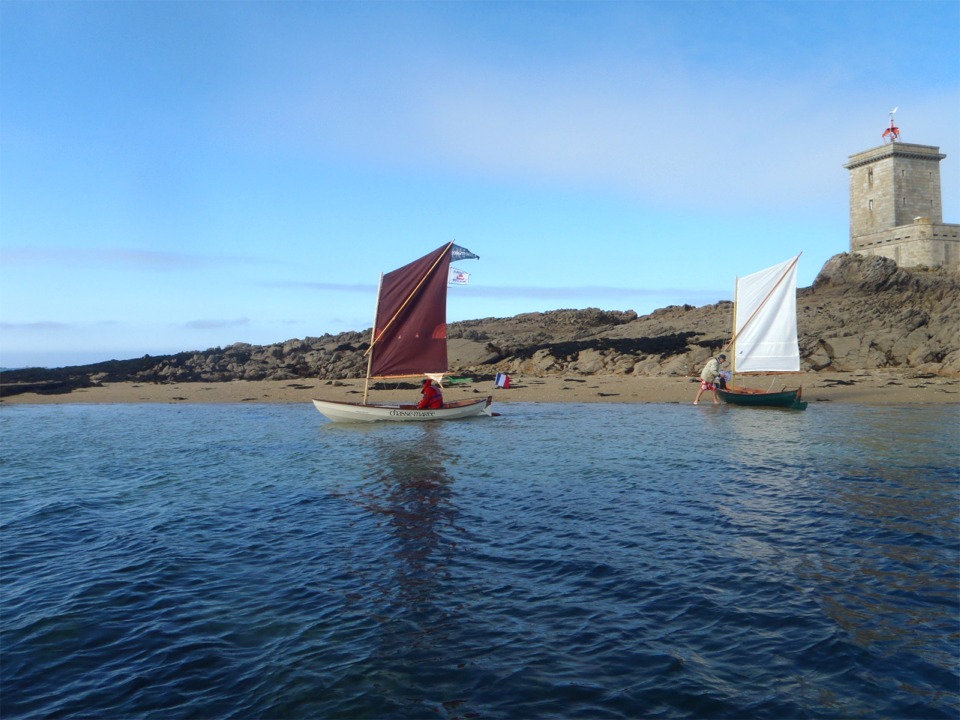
(870,206)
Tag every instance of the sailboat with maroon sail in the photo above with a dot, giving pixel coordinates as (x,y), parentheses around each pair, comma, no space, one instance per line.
(409,339)
(764,338)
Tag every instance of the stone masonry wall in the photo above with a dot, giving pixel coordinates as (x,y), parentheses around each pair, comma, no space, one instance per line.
(892,184)
(916,183)
(920,243)
(896,209)
(872,208)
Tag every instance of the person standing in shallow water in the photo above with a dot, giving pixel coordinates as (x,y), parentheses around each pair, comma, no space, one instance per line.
(709,376)
(432,397)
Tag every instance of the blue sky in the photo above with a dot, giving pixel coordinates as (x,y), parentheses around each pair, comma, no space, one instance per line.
(185,175)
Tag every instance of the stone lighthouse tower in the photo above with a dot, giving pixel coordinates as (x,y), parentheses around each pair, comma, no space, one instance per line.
(895,204)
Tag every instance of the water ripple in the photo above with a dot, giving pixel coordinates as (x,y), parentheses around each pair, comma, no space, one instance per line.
(560,561)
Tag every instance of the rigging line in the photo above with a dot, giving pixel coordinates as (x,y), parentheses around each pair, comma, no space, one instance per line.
(376,309)
(375,340)
(760,306)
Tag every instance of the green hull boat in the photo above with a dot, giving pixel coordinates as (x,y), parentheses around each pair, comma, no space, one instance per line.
(760,398)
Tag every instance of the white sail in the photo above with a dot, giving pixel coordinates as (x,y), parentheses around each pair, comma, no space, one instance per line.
(765,338)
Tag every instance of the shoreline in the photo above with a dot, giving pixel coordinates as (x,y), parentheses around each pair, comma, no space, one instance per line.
(865,387)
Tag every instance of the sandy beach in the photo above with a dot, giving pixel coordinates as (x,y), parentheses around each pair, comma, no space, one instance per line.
(863,387)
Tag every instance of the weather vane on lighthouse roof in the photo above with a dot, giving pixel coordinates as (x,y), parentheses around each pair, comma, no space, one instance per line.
(892,133)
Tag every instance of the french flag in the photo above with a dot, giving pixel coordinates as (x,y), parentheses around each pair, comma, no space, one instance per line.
(503,380)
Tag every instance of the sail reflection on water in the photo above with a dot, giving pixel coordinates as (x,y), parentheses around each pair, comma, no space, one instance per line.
(410,490)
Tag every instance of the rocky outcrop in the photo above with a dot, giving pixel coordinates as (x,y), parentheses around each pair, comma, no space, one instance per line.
(865,313)
(860,313)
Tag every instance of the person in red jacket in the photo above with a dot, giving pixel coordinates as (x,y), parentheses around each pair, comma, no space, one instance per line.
(432,397)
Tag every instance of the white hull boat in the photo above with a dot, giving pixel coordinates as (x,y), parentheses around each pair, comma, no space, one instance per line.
(339,411)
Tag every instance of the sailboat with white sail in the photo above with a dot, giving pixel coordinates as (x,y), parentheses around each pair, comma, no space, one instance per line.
(409,339)
(764,338)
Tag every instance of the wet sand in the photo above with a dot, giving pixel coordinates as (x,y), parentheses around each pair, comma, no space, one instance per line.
(862,387)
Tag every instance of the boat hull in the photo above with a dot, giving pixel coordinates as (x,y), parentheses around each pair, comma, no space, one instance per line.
(348,412)
(760,398)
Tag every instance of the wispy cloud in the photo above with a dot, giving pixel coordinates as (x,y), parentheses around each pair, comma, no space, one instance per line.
(216,324)
(524,292)
(644,115)
(592,292)
(364,288)
(116,256)
(42,326)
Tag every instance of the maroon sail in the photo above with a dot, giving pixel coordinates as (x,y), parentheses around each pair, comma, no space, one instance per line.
(410,330)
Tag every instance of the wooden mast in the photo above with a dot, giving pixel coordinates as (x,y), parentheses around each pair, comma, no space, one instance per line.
(376,308)
(732,345)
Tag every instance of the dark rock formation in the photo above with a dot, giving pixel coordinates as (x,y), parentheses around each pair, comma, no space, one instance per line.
(864,312)
(860,313)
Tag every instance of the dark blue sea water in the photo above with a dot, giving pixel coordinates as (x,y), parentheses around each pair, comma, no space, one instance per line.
(596,561)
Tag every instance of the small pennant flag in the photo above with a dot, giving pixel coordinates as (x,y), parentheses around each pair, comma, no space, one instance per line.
(503,381)
(458,277)
(461,253)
